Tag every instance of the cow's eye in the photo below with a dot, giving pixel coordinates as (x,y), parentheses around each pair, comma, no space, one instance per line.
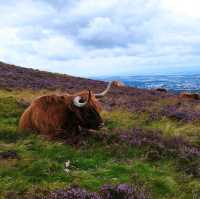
(82,100)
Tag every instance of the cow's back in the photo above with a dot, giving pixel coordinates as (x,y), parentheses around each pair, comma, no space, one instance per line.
(25,123)
(46,115)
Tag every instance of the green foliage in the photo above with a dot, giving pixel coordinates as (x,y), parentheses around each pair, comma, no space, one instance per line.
(9,109)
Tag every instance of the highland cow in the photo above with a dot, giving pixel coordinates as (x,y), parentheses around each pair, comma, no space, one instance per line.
(194,96)
(118,84)
(58,115)
(161,90)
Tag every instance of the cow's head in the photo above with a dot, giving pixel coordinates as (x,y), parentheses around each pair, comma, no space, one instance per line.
(86,108)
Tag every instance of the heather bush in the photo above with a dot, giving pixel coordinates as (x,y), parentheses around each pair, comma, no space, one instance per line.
(154,139)
(176,111)
(72,193)
(120,191)
(159,146)
(123,191)
(184,114)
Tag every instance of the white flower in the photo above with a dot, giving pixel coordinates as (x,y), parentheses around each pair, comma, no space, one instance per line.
(67,164)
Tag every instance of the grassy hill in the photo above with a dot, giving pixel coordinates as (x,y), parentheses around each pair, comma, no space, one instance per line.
(151,141)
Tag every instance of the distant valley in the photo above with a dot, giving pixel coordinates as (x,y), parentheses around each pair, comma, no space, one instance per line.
(176,83)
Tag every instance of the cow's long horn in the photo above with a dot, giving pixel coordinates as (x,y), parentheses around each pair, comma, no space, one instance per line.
(77,102)
(99,95)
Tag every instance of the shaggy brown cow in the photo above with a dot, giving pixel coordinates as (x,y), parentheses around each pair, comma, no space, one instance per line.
(55,115)
(161,90)
(194,96)
(118,84)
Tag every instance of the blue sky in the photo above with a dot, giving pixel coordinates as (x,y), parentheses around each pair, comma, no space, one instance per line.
(102,37)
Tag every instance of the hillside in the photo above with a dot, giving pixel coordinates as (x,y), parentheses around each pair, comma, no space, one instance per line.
(149,147)
(14,77)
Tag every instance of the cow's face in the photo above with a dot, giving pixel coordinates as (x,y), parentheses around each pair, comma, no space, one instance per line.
(87,108)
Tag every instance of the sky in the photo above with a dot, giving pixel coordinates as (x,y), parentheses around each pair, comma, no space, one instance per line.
(102,37)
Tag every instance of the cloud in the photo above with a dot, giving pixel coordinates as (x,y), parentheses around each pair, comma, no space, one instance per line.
(87,37)
(48,49)
(102,32)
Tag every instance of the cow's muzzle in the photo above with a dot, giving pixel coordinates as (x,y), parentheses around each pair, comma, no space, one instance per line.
(101,125)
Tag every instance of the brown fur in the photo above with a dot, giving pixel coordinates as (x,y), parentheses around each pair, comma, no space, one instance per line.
(194,96)
(118,84)
(56,115)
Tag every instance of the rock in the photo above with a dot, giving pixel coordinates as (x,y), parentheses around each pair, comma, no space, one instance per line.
(194,96)
(8,155)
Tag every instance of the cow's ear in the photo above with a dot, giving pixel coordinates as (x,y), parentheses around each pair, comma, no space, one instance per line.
(89,95)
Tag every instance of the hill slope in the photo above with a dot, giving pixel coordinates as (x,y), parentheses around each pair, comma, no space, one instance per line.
(14,77)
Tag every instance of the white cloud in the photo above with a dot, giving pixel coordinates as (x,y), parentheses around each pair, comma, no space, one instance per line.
(102,32)
(25,12)
(184,8)
(57,47)
(96,37)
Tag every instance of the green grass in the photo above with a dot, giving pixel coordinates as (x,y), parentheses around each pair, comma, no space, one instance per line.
(41,162)
(124,120)
(171,128)
(118,119)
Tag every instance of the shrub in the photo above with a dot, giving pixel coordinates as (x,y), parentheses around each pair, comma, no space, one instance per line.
(120,191)
(158,146)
